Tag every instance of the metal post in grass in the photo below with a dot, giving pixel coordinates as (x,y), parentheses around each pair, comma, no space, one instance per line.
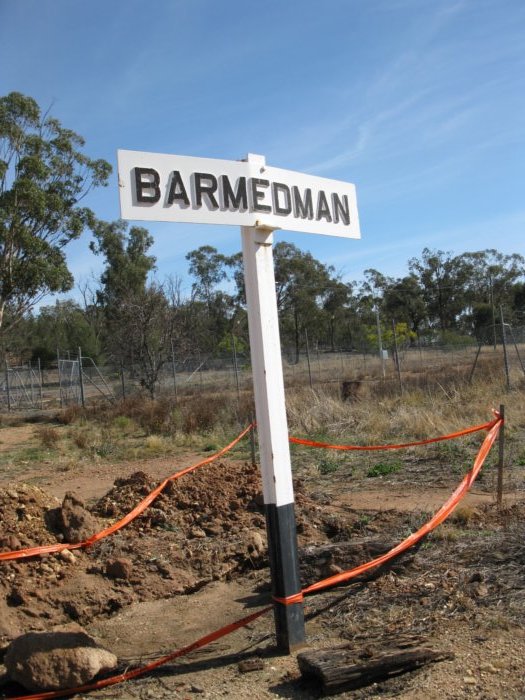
(81,378)
(122,384)
(380,343)
(501,457)
(174,370)
(31,385)
(41,382)
(517,349)
(504,341)
(308,358)
(474,363)
(398,365)
(59,378)
(236,369)
(7,388)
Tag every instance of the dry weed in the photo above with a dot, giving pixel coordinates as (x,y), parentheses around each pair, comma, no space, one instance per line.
(48,436)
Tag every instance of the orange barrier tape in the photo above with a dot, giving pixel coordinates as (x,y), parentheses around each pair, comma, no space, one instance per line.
(436,520)
(451,436)
(137,672)
(443,513)
(140,508)
(290,600)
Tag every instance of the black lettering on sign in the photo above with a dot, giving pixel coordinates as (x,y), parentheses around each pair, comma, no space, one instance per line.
(177,191)
(341,209)
(205,184)
(323,210)
(257,195)
(286,207)
(234,199)
(302,208)
(147,183)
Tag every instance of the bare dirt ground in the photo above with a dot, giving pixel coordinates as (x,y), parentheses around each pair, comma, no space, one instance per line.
(196,560)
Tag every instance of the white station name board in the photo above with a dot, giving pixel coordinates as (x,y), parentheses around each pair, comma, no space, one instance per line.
(161,187)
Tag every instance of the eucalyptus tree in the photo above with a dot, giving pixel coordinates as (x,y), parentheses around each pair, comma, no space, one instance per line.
(443,278)
(335,301)
(122,282)
(301,281)
(213,307)
(44,175)
(403,302)
(493,277)
(127,262)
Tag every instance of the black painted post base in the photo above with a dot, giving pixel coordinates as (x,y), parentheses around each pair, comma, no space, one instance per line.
(284,565)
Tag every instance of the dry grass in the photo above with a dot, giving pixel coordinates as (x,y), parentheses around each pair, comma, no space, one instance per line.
(48,436)
(415,414)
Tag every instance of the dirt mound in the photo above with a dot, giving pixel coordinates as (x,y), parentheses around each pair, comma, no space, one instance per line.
(209,525)
(24,514)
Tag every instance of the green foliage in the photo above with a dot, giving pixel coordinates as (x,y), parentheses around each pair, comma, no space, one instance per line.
(327,466)
(456,339)
(383,469)
(404,336)
(43,177)
(226,344)
(127,262)
(64,325)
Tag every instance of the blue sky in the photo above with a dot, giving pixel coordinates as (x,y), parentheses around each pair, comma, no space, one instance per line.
(420,103)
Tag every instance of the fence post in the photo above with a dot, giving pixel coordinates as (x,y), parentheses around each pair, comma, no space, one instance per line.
(173,369)
(517,349)
(308,358)
(59,378)
(122,384)
(501,454)
(475,363)
(32,388)
(41,380)
(236,370)
(81,378)
(398,365)
(7,388)
(504,341)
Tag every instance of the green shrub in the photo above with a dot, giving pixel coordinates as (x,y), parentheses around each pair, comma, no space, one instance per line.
(327,466)
(383,468)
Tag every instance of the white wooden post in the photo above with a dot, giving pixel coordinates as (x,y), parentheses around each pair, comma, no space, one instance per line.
(260,199)
(272,430)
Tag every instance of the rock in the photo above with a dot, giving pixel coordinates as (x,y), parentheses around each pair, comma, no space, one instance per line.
(16,597)
(65,658)
(9,627)
(67,556)
(488,668)
(119,568)
(255,543)
(10,543)
(249,665)
(197,533)
(76,523)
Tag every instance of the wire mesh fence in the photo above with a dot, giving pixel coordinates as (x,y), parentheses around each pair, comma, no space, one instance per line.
(77,379)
